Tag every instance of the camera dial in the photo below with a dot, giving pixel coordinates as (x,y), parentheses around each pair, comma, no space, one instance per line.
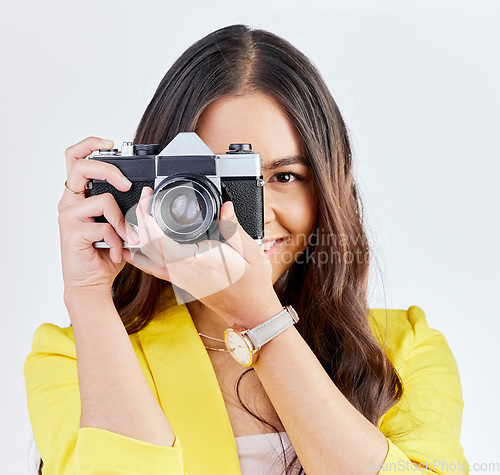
(108,151)
(240,148)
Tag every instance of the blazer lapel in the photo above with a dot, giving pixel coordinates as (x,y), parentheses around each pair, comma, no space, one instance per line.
(189,393)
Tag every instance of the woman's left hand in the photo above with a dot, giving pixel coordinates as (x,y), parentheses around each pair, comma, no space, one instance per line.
(234,279)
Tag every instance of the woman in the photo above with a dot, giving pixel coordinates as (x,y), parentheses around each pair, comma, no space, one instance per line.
(139,384)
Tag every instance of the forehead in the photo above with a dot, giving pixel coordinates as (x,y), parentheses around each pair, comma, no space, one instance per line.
(254,118)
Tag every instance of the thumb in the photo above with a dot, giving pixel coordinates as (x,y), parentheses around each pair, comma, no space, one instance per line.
(235,235)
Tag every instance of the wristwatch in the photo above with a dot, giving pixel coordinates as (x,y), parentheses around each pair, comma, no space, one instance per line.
(243,344)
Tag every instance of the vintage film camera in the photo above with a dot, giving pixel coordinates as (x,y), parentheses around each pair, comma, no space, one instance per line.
(190,184)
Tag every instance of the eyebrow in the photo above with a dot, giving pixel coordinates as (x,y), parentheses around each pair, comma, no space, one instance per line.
(284,161)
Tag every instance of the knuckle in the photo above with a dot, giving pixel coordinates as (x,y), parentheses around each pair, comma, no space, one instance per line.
(108,199)
(120,221)
(69,153)
(111,237)
(107,228)
(112,231)
(60,207)
(108,196)
(106,231)
(76,168)
(108,171)
(112,172)
(116,211)
(63,213)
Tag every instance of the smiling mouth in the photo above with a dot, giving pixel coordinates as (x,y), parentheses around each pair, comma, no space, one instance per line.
(271,245)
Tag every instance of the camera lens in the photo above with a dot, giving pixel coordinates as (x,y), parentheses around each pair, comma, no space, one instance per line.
(182,208)
(186,207)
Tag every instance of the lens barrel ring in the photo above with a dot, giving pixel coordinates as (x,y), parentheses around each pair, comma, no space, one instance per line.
(186,207)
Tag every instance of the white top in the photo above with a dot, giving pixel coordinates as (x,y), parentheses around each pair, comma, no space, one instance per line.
(262,454)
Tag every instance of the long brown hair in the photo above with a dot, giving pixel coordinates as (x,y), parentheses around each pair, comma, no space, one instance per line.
(328,284)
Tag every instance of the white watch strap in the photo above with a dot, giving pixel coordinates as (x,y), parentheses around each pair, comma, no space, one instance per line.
(266,331)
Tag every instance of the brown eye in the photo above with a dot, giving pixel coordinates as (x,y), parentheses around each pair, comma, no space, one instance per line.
(286,177)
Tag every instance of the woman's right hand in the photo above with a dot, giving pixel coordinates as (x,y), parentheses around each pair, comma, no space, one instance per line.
(85,267)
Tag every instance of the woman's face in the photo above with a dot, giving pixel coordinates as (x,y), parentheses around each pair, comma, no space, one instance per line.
(289,193)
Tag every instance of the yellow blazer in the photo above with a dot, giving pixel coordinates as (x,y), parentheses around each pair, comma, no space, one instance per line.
(424,426)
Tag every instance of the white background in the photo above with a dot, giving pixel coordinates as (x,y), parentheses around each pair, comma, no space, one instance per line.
(418,84)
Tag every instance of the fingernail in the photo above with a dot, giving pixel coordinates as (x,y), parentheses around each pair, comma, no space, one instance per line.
(229,209)
(146,191)
(117,257)
(107,143)
(126,181)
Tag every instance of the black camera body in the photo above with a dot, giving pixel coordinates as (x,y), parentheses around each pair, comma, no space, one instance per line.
(190,185)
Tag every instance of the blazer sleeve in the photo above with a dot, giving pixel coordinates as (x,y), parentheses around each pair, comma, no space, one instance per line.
(423,428)
(51,378)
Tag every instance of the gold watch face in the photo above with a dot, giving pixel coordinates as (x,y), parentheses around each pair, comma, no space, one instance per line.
(238,346)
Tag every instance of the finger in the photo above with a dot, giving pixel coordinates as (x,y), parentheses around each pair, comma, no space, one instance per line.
(101,205)
(85,170)
(236,236)
(149,231)
(146,233)
(85,148)
(90,233)
(144,264)
(159,247)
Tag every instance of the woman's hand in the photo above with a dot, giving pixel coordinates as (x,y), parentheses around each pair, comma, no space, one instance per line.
(234,279)
(83,265)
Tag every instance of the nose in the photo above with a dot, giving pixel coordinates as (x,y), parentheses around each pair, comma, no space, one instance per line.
(269,207)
